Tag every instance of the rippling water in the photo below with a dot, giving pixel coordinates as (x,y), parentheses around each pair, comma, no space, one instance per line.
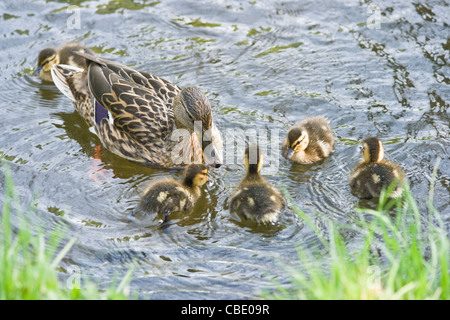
(374,68)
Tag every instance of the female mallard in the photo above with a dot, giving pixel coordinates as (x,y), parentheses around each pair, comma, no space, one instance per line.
(142,117)
(374,173)
(309,141)
(255,198)
(165,196)
(49,57)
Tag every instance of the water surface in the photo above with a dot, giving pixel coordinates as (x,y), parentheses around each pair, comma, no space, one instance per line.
(373,68)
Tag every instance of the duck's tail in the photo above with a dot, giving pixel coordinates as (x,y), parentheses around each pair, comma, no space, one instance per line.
(60,75)
(269,217)
(72,82)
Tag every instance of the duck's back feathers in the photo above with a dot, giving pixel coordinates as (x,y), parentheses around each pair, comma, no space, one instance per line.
(257,200)
(135,109)
(159,87)
(163,197)
(369,179)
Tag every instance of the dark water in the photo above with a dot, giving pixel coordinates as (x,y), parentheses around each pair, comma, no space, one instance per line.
(264,65)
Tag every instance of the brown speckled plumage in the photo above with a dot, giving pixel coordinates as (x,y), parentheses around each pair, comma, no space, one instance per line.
(142,117)
(374,173)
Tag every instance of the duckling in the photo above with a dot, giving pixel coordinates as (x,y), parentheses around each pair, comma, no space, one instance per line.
(169,195)
(309,141)
(255,198)
(49,57)
(374,173)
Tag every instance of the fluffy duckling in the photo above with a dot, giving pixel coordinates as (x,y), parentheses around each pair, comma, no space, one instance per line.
(374,173)
(309,141)
(49,57)
(169,195)
(255,198)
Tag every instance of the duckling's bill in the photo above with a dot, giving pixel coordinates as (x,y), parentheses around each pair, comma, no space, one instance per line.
(290,152)
(37,71)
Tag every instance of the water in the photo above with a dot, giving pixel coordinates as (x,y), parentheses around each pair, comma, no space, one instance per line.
(264,65)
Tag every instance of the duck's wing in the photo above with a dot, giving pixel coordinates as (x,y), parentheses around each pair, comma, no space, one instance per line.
(131,103)
(162,88)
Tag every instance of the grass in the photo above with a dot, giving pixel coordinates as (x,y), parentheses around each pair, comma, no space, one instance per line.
(401,255)
(29,260)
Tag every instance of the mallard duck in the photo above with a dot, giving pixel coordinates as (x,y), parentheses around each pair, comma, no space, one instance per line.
(142,117)
(374,173)
(165,196)
(49,57)
(309,141)
(255,198)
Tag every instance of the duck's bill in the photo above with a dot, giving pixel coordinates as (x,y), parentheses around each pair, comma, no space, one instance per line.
(212,156)
(212,147)
(289,154)
(37,71)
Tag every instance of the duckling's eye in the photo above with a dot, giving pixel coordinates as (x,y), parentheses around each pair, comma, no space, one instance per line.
(297,143)
(48,60)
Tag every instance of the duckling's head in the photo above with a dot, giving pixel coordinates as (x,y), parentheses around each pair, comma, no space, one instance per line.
(298,140)
(192,111)
(47,58)
(195,175)
(254,159)
(373,150)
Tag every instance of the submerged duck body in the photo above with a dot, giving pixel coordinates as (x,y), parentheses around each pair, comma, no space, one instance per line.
(255,198)
(374,173)
(165,196)
(65,54)
(142,117)
(309,141)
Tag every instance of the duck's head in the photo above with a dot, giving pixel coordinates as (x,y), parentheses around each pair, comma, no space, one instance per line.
(298,140)
(254,159)
(192,111)
(195,175)
(373,150)
(47,58)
